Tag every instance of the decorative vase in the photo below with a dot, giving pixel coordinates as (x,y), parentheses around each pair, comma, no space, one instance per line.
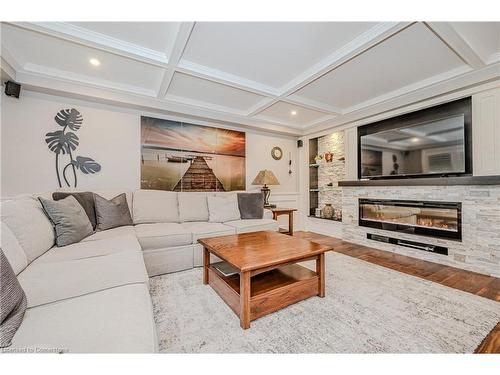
(328,157)
(328,211)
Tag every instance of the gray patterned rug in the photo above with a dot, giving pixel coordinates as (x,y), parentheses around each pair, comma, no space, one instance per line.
(367,309)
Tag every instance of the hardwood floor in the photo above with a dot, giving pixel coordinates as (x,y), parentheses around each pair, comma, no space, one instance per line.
(467,281)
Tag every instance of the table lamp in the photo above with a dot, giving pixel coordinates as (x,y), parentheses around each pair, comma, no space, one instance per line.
(266,177)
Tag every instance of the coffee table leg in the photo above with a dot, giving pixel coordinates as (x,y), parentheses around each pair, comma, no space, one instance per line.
(320,270)
(206,264)
(245,300)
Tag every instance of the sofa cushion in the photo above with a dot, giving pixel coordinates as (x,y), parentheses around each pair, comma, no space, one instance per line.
(110,233)
(51,281)
(166,260)
(88,249)
(253,225)
(12,249)
(223,207)
(86,200)
(111,213)
(155,206)
(29,224)
(115,320)
(251,205)
(193,206)
(69,218)
(162,235)
(204,230)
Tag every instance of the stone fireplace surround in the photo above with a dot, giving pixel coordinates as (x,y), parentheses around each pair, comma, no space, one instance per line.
(479,250)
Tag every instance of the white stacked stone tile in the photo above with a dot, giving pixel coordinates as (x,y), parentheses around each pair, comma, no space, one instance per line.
(331,172)
(479,249)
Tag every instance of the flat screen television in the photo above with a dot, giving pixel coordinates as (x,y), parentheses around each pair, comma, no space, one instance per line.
(427,143)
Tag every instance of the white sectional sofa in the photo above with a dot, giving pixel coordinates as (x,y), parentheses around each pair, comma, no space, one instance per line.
(93,296)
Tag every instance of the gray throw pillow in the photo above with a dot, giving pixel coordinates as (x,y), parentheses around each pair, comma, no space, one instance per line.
(111,213)
(12,302)
(69,218)
(251,205)
(86,199)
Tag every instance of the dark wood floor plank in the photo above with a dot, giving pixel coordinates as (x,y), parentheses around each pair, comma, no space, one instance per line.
(467,281)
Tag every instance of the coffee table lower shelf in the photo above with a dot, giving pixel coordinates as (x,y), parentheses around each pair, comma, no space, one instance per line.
(269,291)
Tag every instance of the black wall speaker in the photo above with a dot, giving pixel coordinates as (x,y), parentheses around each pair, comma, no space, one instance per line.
(12,89)
(300,143)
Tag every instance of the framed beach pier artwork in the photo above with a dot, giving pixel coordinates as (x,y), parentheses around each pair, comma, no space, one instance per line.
(179,156)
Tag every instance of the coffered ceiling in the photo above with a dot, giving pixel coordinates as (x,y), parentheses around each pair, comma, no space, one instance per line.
(287,77)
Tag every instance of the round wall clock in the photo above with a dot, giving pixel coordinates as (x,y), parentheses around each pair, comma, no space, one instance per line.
(276,153)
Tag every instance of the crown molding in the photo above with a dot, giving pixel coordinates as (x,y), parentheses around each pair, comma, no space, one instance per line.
(88,38)
(86,80)
(7,69)
(470,78)
(428,82)
(37,82)
(447,33)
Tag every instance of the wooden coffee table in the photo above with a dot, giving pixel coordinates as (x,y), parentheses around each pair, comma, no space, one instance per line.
(268,277)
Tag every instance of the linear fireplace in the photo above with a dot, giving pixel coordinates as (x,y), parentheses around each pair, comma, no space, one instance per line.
(436,219)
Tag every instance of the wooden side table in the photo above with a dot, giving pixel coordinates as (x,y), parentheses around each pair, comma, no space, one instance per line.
(278,211)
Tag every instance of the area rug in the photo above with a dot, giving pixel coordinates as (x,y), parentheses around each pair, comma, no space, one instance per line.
(367,309)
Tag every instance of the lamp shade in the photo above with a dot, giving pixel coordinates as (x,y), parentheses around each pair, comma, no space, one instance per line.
(265,177)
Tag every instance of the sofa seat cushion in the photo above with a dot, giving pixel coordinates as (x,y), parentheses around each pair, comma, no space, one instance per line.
(172,259)
(111,233)
(205,230)
(253,225)
(87,249)
(115,320)
(161,235)
(51,281)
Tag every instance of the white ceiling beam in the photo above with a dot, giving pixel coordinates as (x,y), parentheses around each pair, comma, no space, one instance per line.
(180,43)
(447,33)
(261,106)
(360,44)
(215,75)
(92,39)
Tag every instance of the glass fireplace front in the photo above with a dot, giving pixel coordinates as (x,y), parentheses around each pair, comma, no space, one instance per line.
(437,219)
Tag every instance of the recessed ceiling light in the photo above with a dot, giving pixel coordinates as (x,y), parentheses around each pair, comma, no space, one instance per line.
(94,62)
(293,113)
(415,139)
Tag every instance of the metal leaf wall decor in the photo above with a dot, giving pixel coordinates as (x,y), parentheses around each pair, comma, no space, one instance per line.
(64,142)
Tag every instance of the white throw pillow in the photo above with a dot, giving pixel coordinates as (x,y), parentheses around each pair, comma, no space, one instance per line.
(223,208)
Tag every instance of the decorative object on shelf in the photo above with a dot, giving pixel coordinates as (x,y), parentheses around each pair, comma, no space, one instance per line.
(328,211)
(65,142)
(266,177)
(317,212)
(328,157)
(395,171)
(337,215)
(277,153)
(318,158)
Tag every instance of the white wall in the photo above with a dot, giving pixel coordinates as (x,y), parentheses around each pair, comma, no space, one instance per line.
(111,136)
